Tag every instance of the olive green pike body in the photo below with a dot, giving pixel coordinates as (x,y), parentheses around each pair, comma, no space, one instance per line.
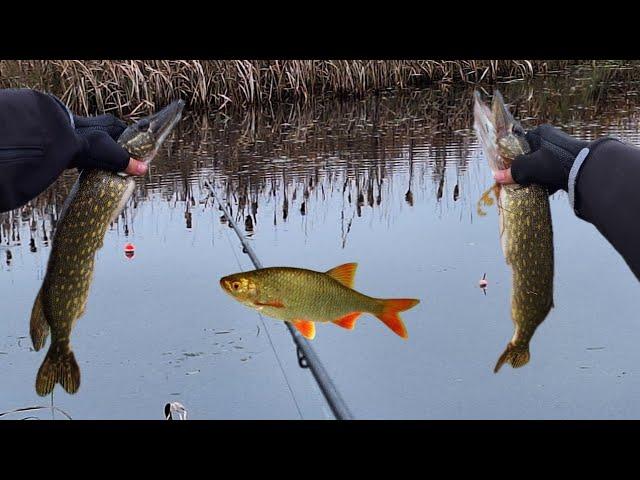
(79,235)
(308,295)
(526,232)
(95,201)
(527,240)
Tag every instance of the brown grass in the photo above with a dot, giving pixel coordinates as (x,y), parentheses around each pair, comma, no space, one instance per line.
(129,85)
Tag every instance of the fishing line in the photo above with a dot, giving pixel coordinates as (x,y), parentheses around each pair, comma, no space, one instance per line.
(295,401)
(327,387)
(36,407)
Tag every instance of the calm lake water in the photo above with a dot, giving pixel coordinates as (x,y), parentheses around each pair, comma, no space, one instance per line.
(390,182)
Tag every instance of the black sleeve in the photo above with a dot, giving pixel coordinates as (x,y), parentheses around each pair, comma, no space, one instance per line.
(37,143)
(607,194)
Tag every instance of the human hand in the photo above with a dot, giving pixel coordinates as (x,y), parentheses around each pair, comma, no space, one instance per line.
(100,134)
(549,162)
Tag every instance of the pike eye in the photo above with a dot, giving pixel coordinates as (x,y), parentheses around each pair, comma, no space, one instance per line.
(235,285)
(143,125)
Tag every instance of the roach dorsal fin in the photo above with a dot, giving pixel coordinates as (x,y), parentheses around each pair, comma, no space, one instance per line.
(345,274)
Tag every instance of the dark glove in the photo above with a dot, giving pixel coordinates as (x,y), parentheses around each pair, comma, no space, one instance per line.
(100,134)
(550,161)
(102,152)
(106,123)
(98,137)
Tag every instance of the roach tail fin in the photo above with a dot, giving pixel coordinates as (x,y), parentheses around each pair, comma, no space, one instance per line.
(516,356)
(390,317)
(59,366)
(38,326)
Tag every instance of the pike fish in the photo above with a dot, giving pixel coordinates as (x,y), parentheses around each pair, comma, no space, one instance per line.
(95,201)
(525,228)
(304,297)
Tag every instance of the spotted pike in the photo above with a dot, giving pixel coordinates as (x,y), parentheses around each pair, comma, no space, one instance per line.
(303,297)
(95,201)
(525,228)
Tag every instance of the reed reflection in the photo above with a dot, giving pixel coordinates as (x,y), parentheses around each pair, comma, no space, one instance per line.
(290,159)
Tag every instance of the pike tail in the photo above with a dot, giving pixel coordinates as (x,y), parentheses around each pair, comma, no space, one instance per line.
(389,314)
(38,326)
(59,366)
(517,356)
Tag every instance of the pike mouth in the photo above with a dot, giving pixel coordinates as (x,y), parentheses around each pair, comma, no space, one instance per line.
(162,122)
(161,125)
(144,138)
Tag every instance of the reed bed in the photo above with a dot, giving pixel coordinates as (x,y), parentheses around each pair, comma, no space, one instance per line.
(288,154)
(128,86)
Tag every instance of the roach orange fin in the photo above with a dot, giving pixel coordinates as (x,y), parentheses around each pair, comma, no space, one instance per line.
(390,317)
(345,274)
(348,321)
(306,327)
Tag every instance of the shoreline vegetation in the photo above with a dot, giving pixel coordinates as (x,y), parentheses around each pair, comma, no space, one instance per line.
(288,158)
(131,86)
(354,147)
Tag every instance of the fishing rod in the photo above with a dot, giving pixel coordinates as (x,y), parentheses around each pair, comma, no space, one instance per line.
(307,357)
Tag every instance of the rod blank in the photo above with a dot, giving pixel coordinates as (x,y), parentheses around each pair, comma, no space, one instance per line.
(322,378)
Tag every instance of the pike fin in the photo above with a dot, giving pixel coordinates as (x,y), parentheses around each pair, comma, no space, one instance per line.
(59,366)
(390,317)
(516,356)
(345,274)
(306,327)
(275,304)
(487,201)
(126,195)
(348,321)
(38,326)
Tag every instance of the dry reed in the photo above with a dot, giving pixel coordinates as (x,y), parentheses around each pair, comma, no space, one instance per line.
(128,86)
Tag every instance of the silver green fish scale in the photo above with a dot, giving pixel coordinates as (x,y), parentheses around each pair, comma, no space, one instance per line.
(309,295)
